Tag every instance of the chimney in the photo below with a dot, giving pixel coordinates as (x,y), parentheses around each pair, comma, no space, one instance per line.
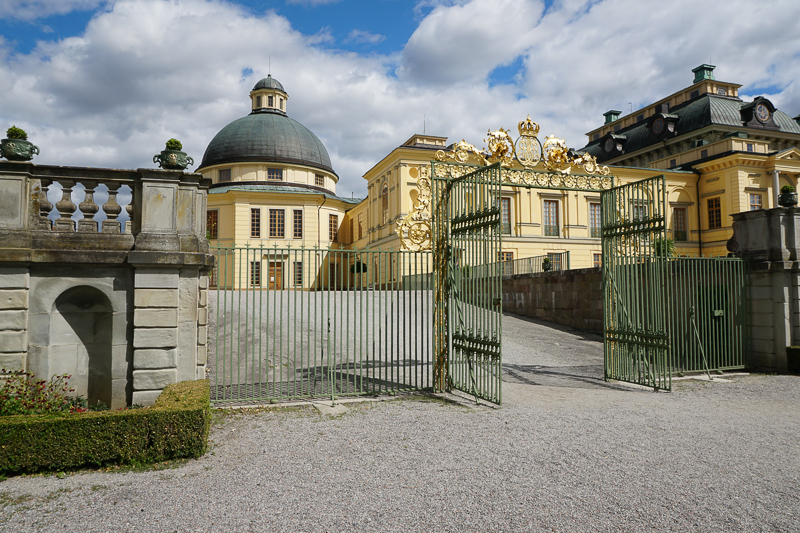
(703,72)
(611,116)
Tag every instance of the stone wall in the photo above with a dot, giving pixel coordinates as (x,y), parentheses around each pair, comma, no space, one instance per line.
(571,297)
(103,275)
(769,239)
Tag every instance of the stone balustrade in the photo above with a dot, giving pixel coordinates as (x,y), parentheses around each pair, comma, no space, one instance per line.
(103,275)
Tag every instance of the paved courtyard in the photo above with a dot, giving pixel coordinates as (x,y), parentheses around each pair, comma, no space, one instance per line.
(566,452)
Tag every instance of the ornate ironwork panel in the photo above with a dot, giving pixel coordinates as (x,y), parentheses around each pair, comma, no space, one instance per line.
(467,231)
(636,332)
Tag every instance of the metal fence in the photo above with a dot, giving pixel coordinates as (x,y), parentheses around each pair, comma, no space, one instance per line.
(536,264)
(707,306)
(303,323)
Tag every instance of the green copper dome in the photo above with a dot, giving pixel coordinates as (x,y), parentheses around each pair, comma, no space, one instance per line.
(266,136)
(269,83)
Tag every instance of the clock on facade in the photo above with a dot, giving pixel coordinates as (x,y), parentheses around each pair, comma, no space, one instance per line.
(762,113)
(658,126)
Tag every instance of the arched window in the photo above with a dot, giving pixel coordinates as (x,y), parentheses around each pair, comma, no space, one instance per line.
(385,202)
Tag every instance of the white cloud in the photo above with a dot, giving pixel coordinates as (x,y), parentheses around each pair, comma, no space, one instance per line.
(34,9)
(361,36)
(147,70)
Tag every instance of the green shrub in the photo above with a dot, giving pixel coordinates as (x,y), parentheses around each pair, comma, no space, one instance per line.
(174,144)
(176,426)
(16,133)
(786,189)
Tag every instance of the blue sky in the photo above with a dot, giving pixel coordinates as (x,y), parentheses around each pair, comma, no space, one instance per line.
(105,82)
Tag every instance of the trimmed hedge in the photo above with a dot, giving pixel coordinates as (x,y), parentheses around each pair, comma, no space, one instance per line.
(175,426)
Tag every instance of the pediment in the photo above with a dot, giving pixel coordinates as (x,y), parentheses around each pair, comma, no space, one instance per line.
(792,154)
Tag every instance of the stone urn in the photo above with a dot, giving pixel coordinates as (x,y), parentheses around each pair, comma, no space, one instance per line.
(18,149)
(787,199)
(173,160)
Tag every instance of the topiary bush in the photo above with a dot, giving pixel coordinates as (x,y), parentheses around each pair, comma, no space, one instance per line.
(174,144)
(16,133)
(176,426)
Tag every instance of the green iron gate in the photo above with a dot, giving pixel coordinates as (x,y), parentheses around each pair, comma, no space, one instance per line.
(466,245)
(635,333)
(663,314)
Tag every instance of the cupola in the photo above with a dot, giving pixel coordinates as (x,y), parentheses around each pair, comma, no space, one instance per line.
(268,94)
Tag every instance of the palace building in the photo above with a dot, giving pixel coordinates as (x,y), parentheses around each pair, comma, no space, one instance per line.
(273,186)
(719,155)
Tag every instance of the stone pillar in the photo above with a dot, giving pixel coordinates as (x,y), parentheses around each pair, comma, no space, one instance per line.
(14,286)
(770,240)
(155,334)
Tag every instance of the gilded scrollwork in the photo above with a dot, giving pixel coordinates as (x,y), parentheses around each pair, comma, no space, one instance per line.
(545,165)
(415,228)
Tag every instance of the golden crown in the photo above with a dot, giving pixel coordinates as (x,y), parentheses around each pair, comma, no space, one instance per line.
(528,128)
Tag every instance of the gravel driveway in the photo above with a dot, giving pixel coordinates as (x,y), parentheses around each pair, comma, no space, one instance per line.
(565,452)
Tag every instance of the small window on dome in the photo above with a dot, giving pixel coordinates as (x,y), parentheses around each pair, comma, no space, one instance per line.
(281,101)
(319,180)
(224,174)
(258,101)
(275,174)
(270,101)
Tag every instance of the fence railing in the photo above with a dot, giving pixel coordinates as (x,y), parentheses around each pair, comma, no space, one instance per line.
(303,323)
(535,264)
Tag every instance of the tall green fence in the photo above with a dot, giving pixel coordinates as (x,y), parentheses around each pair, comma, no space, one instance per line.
(708,306)
(305,323)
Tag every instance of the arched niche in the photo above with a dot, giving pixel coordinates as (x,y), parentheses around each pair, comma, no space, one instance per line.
(103,296)
(81,326)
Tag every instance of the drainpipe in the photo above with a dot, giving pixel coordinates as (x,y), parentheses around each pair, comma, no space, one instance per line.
(699,227)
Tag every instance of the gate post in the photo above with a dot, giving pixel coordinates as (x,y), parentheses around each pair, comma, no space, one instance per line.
(769,239)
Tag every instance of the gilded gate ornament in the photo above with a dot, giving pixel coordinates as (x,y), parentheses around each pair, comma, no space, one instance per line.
(544,165)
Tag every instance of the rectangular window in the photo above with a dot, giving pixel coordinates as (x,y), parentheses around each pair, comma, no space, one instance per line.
(255,223)
(555,261)
(597,261)
(550,218)
(333,227)
(507,261)
(212,219)
(679,224)
(258,101)
(755,202)
(639,212)
(276,223)
(255,272)
(224,174)
(703,154)
(714,213)
(594,220)
(297,224)
(275,174)
(319,180)
(596,136)
(750,147)
(270,101)
(506,220)
(212,277)
(640,118)
(672,163)
(297,274)
(360,225)
(721,91)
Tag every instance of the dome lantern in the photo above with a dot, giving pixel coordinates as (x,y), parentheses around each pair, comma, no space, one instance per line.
(268,94)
